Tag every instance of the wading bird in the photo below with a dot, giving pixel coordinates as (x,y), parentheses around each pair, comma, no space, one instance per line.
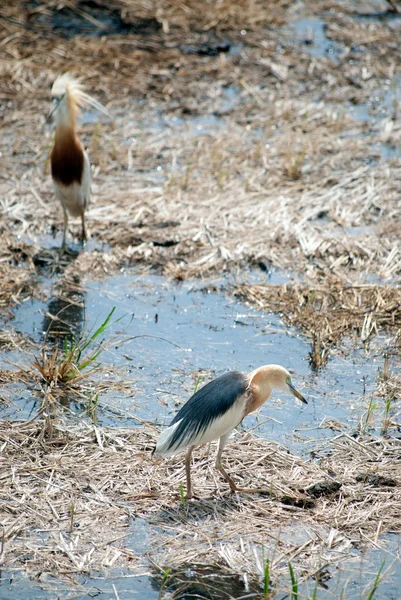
(216,409)
(70,166)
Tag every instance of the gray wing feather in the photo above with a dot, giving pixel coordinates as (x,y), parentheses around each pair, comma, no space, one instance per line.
(208,404)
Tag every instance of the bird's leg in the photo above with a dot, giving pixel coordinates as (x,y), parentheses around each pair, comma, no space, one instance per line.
(84,232)
(188,472)
(226,476)
(63,245)
(230,481)
(219,466)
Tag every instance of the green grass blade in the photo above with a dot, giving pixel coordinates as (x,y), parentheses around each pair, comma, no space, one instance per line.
(315,591)
(79,354)
(198,380)
(104,325)
(93,369)
(266,582)
(182,496)
(89,360)
(294,583)
(100,330)
(376,582)
(166,574)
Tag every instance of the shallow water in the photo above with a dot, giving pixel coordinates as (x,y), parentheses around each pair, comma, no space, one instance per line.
(312,36)
(90,19)
(184,332)
(199,332)
(308,34)
(381,105)
(352,579)
(174,333)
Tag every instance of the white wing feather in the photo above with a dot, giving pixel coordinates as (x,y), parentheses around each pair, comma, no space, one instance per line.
(217,428)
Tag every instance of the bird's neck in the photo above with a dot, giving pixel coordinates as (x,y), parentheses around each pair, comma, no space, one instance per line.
(65,134)
(257,395)
(66,114)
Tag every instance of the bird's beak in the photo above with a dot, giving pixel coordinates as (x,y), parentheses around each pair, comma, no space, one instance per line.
(296,393)
(55,103)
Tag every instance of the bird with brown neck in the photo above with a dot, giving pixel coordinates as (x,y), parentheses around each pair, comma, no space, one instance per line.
(70,166)
(216,409)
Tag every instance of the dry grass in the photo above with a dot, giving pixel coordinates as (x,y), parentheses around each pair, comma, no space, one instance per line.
(56,517)
(230,145)
(16,285)
(291,184)
(326,314)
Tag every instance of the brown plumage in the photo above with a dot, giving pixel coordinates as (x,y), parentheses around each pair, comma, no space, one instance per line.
(70,166)
(214,410)
(67,157)
(260,384)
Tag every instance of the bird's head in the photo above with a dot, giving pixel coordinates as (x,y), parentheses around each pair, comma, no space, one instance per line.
(68,96)
(63,91)
(269,377)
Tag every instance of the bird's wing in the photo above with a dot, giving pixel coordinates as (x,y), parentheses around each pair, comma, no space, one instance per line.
(212,412)
(71,197)
(86,181)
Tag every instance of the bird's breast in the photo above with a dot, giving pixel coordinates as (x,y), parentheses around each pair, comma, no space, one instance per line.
(67,158)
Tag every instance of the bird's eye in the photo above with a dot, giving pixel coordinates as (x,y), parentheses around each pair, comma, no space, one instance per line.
(288,380)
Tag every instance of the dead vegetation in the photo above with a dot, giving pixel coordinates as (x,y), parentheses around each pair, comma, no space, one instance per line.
(298,181)
(335,504)
(235,141)
(16,285)
(326,314)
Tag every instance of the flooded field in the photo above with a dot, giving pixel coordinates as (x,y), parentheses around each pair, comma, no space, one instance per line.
(245,210)
(170,336)
(173,334)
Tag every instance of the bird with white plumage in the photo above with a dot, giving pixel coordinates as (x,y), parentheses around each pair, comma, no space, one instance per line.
(216,409)
(70,166)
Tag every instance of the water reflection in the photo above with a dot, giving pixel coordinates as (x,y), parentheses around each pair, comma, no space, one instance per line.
(65,315)
(201,581)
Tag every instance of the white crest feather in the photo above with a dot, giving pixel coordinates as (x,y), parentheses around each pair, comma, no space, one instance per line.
(72,86)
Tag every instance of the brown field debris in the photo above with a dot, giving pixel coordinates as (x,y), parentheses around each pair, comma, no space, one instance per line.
(56,516)
(231,144)
(271,173)
(327,313)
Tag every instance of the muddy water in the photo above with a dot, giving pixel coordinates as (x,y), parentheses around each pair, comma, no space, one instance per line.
(383,105)
(186,333)
(173,334)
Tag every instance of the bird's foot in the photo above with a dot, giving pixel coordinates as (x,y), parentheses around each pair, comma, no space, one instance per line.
(66,250)
(191,496)
(84,232)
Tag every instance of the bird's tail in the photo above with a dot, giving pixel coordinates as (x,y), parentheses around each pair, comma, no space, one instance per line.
(164,445)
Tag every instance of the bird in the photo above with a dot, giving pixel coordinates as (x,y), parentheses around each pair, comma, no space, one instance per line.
(216,409)
(70,166)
